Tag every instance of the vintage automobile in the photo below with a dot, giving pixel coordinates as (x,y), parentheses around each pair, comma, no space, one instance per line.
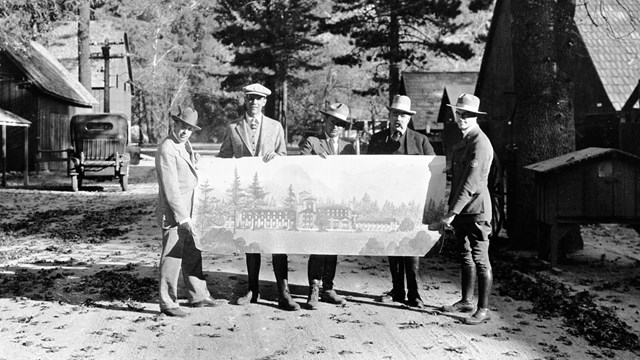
(98,152)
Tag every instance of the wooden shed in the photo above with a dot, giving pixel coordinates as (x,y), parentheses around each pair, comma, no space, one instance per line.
(37,88)
(63,44)
(604,65)
(593,185)
(7,119)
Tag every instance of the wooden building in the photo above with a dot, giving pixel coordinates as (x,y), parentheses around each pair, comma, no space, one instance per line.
(8,119)
(63,44)
(37,88)
(425,90)
(592,185)
(604,66)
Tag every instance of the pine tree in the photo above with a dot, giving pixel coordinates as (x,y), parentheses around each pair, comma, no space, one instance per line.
(236,197)
(273,40)
(397,32)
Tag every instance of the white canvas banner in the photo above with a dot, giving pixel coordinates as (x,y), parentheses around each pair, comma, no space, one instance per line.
(345,205)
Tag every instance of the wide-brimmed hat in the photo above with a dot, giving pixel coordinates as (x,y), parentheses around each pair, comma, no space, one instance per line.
(187,116)
(256,89)
(469,103)
(401,104)
(339,111)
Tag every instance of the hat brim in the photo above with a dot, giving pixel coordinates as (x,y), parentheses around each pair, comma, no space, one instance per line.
(409,112)
(176,118)
(467,110)
(256,93)
(336,116)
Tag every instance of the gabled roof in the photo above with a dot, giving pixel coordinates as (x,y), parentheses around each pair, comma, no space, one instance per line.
(48,75)
(611,32)
(576,157)
(450,96)
(10,119)
(63,44)
(425,91)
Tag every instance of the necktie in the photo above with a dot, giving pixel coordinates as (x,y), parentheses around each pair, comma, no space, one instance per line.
(396,136)
(253,123)
(187,146)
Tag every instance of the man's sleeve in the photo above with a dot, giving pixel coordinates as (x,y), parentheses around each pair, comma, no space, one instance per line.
(281,144)
(226,149)
(168,180)
(306,148)
(427,148)
(475,178)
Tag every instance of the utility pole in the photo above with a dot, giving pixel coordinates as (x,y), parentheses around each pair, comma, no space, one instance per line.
(84,64)
(107,56)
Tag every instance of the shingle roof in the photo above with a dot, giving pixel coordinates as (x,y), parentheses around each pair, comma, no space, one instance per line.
(577,157)
(611,32)
(425,91)
(10,119)
(48,75)
(63,44)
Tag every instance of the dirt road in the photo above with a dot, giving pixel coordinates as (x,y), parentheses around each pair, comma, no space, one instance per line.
(78,281)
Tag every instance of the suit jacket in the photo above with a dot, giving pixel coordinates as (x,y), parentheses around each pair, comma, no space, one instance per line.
(177,179)
(236,141)
(317,145)
(471,162)
(411,143)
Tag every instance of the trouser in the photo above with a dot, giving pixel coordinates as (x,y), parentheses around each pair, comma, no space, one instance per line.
(179,253)
(401,265)
(280,269)
(322,267)
(472,239)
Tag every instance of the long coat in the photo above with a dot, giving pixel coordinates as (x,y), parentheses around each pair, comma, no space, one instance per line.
(411,143)
(236,142)
(472,158)
(177,179)
(317,145)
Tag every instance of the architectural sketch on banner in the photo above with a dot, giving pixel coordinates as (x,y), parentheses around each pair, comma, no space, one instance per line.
(346,205)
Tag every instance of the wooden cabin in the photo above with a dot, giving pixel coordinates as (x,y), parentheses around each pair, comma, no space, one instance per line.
(10,120)
(592,185)
(39,89)
(63,44)
(604,66)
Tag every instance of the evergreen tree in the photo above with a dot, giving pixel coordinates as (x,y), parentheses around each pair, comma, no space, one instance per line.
(236,197)
(273,40)
(397,32)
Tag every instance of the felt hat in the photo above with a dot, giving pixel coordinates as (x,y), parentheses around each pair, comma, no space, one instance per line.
(401,104)
(339,111)
(187,116)
(469,103)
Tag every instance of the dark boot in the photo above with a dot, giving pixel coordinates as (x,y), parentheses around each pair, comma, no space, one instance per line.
(468,282)
(411,268)
(285,301)
(280,269)
(253,275)
(396,265)
(314,294)
(485,281)
(329,271)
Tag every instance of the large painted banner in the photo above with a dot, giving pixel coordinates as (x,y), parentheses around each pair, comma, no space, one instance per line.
(344,205)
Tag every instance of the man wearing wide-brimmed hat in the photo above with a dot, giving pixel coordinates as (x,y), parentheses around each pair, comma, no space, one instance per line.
(470,209)
(322,268)
(398,139)
(255,134)
(177,179)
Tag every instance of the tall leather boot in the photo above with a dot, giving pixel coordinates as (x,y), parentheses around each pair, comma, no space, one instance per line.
(468,283)
(285,301)
(485,282)
(253,276)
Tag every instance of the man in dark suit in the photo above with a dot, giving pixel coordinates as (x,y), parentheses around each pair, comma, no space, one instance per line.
(470,209)
(322,268)
(257,135)
(398,139)
(177,178)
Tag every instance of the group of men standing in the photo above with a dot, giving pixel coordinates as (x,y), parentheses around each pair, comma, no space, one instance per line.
(257,135)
